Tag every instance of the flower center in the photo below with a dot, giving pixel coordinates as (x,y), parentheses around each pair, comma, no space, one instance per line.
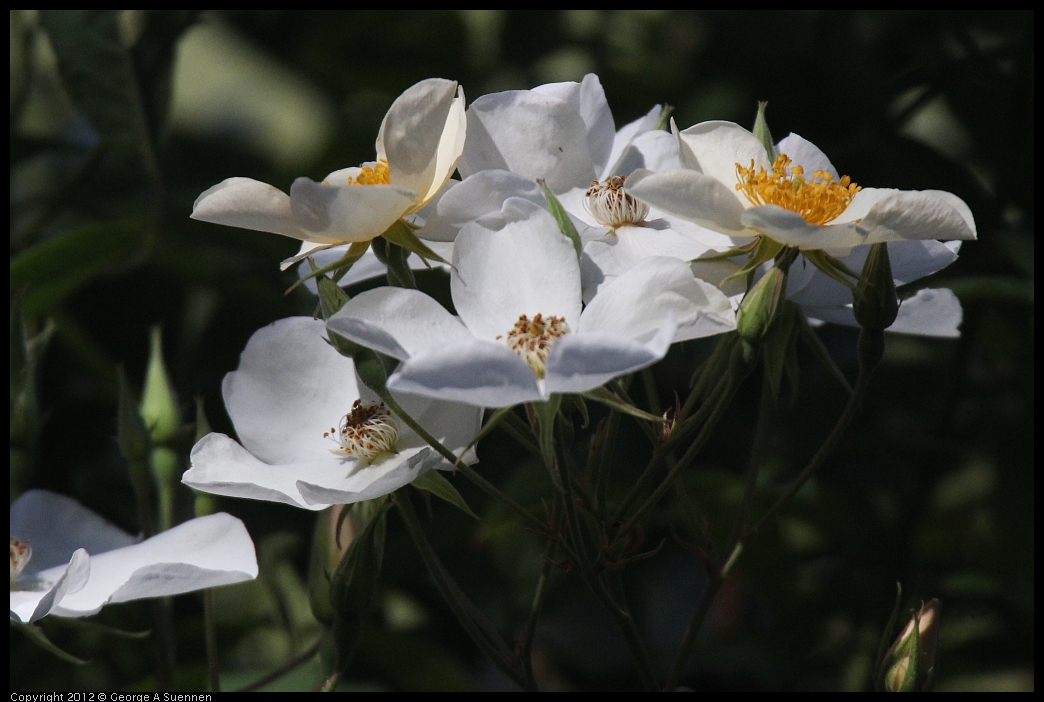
(378,174)
(21,552)
(611,206)
(532,339)
(819,200)
(366,432)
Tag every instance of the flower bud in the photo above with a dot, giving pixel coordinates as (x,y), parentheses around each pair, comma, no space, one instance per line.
(910,662)
(758,309)
(159,405)
(875,303)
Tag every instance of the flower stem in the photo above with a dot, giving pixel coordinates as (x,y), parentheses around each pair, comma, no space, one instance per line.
(529,632)
(210,630)
(470,617)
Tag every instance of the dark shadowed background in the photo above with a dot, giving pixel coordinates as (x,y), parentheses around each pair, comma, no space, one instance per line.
(118,124)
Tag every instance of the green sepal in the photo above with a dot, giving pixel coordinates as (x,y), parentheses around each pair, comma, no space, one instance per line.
(565,225)
(433,481)
(833,267)
(353,588)
(758,309)
(875,303)
(344,346)
(761,131)
(401,234)
(396,259)
(36,635)
(663,123)
(332,297)
(610,400)
(886,636)
(370,369)
(338,267)
(765,249)
(159,403)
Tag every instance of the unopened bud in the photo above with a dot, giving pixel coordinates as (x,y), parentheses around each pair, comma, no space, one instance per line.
(910,661)
(875,303)
(758,309)
(159,405)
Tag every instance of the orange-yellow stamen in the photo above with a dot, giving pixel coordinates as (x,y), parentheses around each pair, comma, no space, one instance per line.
(819,200)
(378,174)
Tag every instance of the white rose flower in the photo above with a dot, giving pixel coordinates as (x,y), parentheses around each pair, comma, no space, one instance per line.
(69,562)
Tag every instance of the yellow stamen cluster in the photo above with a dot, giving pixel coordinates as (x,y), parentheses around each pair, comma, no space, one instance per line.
(366,432)
(21,552)
(819,200)
(378,174)
(611,206)
(532,339)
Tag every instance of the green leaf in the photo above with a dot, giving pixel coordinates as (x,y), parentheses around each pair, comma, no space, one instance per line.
(402,235)
(610,400)
(36,635)
(545,414)
(434,482)
(54,269)
(100,77)
(565,225)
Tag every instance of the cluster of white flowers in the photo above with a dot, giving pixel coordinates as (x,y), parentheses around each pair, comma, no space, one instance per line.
(536,312)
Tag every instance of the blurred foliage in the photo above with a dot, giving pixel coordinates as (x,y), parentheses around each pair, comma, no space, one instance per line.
(119,120)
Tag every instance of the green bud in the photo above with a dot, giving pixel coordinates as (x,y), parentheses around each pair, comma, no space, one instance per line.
(395,257)
(759,306)
(910,662)
(353,588)
(370,369)
(159,404)
(327,551)
(875,303)
(761,131)
(331,296)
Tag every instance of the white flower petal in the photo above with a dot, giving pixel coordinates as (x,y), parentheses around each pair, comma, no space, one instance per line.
(628,135)
(476,196)
(620,252)
(582,362)
(635,304)
(452,423)
(398,322)
(307,249)
(719,146)
(221,466)
(422,136)
(473,371)
(526,267)
(332,214)
(249,204)
(789,228)
(284,396)
(387,474)
(807,155)
(201,553)
(931,312)
(50,587)
(59,525)
(587,98)
(530,134)
(655,151)
(693,196)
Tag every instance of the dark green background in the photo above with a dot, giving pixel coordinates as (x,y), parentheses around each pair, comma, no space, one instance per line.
(932,486)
